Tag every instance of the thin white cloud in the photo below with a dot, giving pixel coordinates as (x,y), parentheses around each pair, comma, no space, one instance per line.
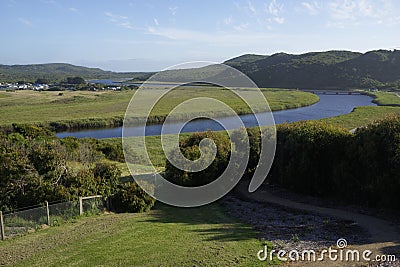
(251,7)
(173,10)
(241,27)
(156,22)
(73,9)
(354,12)
(122,21)
(257,15)
(25,22)
(275,11)
(279,20)
(238,38)
(313,8)
(228,20)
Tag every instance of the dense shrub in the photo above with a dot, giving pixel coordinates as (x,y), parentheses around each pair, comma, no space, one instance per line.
(317,159)
(112,151)
(328,161)
(190,149)
(36,166)
(374,164)
(130,197)
(308,155)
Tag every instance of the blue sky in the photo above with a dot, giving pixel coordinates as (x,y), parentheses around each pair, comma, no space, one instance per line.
(129,35)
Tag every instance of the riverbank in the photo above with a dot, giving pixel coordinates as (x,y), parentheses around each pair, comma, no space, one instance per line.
(328,106)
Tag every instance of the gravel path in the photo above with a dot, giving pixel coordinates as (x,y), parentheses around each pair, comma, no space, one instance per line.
(294,225)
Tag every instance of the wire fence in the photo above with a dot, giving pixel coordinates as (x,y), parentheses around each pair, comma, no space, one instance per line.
(50,214)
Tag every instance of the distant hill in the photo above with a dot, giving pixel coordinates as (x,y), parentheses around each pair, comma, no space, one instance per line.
(59,71)
(323,70)
(314,70)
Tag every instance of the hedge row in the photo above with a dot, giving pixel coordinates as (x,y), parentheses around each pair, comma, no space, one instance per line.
(318,159)
(327,161)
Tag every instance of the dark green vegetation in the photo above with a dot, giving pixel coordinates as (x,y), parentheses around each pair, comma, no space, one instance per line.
(323,70)
(165,236)
(327,161)
(190,149)
(323,160)
(54,72)
(106,109)
(36,166)
(131,198)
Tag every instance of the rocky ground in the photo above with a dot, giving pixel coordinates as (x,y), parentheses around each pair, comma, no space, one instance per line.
(291,229)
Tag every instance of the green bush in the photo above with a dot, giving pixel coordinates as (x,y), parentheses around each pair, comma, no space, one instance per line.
(327,161)
(190,149)
(374,165)
(36,166)
(130,197)
(308,155)
(112,151)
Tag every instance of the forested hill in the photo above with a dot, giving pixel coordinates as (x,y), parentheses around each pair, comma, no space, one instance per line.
(315,70)
(58,71)
(324,70)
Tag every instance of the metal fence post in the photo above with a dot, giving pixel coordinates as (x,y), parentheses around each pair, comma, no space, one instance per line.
(3,233)
(80,206)
(48,213)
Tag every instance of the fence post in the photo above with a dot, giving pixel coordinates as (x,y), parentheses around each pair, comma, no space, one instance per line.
(80,206)
(3,233)
(108,204)
(48,213)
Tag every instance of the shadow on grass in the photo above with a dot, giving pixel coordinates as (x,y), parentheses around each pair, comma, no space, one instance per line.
(211,221)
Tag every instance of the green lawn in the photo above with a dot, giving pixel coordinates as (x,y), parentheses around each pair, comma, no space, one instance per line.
(80,109)
(166,236)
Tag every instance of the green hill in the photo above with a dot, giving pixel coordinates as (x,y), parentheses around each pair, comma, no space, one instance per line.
(323,70)
(58,71)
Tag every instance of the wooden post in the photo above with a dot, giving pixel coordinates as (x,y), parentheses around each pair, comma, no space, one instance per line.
(108,204)
(48,213)
(80,206)
(3,233)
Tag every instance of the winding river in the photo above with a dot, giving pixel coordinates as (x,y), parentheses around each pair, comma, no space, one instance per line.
(328,106)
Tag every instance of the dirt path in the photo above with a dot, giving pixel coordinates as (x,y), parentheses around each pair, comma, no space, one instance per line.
(385,237)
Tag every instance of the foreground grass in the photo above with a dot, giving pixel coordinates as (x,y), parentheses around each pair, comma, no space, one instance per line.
(166,236)
(101,109)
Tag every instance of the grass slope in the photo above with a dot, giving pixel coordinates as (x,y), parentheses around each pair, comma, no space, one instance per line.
(166,236)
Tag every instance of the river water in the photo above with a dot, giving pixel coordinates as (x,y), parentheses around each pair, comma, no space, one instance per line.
(328,106)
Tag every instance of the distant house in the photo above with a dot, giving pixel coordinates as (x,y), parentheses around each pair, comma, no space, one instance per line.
(40,87)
